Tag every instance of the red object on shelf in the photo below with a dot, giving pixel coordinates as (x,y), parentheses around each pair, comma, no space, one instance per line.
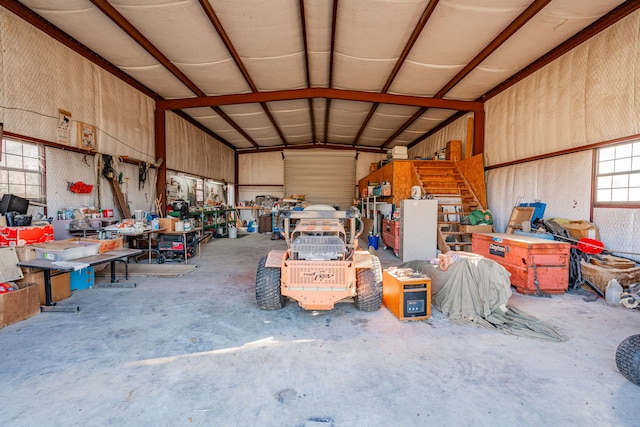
(80,187)
(20,236)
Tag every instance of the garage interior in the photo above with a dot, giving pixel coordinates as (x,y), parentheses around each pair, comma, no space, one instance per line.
(218,118)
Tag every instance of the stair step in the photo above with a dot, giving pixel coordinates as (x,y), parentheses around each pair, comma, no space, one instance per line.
(458,244)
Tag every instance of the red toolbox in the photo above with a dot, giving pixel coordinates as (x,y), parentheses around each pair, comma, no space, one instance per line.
(528,259)
(391,235)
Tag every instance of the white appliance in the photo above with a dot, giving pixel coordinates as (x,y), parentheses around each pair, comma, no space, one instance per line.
(418,229)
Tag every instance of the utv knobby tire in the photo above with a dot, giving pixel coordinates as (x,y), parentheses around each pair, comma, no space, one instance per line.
(268,293)
(377,269)
(368,291)
(628,358)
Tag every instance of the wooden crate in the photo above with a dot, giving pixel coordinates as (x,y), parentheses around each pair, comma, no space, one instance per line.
(600,275)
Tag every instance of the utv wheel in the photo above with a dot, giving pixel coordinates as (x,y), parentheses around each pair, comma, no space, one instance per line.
(628,358)
(268,293)
(369,291)
(377,269)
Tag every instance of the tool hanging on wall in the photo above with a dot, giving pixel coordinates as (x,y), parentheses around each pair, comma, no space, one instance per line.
(143,168)
(108,171)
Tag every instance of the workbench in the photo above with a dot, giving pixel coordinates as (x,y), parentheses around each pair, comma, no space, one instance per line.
(47,266)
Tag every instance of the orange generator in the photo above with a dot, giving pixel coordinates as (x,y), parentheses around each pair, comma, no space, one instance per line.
(536,265)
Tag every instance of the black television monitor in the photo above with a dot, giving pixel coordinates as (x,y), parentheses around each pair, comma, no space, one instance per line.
(11,203)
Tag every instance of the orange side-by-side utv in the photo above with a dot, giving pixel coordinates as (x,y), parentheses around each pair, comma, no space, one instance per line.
(322,265)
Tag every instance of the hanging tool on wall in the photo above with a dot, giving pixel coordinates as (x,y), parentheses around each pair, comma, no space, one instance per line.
(110,174)
(143,168)
(108,171)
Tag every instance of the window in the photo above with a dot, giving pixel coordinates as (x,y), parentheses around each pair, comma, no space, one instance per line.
(618,174)
(21,170)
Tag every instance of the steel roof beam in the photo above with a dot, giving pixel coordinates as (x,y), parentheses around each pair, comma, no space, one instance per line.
(329,93)
(334,15)
(217,25)
(510,30)
(139,38)
(428,11)
(303,29)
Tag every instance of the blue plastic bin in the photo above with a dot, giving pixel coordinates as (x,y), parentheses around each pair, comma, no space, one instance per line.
(373,241)
(81,279)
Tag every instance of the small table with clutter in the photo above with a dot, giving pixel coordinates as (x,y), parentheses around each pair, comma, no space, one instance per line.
(48,266)
(136,229)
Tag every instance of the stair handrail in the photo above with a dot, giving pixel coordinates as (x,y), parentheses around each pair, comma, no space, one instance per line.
(470,188)
(416,176)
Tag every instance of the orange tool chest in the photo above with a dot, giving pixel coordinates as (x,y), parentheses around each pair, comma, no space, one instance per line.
(391,235)
(528,259)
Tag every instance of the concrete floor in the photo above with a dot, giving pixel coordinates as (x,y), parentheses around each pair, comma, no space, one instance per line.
(196,350)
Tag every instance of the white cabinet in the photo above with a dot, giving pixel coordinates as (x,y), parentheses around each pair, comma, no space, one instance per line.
(418,229)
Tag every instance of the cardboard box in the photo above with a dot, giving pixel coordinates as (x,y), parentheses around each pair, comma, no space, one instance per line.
(26,253)
(580,229)
(168,223)
(482,228)
(397,153)
(106,245)
(60,285)
(453,151)
(19,305)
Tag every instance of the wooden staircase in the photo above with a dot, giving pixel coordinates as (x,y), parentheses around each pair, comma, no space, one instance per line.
(443,181)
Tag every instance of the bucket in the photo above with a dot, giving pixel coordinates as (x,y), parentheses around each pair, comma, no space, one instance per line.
(373,241)
(233,232)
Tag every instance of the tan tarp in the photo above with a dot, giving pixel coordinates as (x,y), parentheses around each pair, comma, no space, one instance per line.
(476,290)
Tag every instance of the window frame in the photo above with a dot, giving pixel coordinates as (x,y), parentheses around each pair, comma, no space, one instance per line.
(40,172)
(634,145)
